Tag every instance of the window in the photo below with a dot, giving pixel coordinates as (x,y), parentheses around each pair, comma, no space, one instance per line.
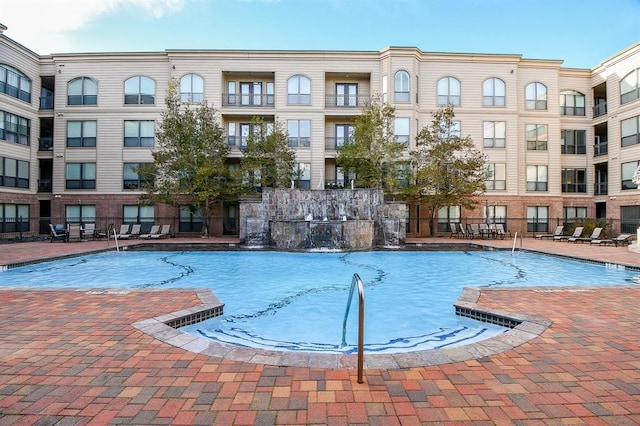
(629,219)
(81,133)
(401,86)
(628,171)
(449,91)
(144,215)
(270,93)
(574,180)
(14,217)
(572,215)
(231,94)
(344,179)
(299,133)
(130,177)
(343,134)
(454,131)
(629,131)
(190,219)
(81,176)
(536,96)
(401,130)
(14,173)
(571,103)
(299,90)
(82,91)
(538,219)
(231,134)
(536,178)
(495,134)
(191,89)
(448,215)
(139,90)
(14,128)
(496,214)
(139,133)
(251,94)
(346,94)
(83,213)
(303,171)
(630,87)
(248,129)
(573,142)
(385,83)
(493,92)
(14,83)
(536,137)
(496,177)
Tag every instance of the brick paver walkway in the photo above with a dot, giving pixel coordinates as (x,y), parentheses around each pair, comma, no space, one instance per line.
(73,357)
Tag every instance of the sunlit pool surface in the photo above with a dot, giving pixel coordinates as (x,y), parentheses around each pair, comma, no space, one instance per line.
(297,301)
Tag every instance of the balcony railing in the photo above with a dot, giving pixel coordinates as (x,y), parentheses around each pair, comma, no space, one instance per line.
(46,102)
(599,109)
(346,101)
(332,143)
(247,100)
(601,188)
(301,142)
(44,185)
(45,144)
(600,149)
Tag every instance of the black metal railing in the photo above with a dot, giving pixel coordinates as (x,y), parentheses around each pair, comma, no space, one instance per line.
(601,188)
(600,149)
(45,144)
(599,109)
(248,100)
(346,101)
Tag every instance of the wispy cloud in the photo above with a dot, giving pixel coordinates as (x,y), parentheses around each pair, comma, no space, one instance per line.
(47,26)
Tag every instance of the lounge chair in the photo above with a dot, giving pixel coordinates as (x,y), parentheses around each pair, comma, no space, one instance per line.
(577,233)
(622,239)
(462,233)
(58,233)
(135,232)
(89,231)
(75,232)
(124,230)
(164,232)
(155,229)
(473,230)
(594,236)
(557,233)
(500,232)
(453,228)
(484,230)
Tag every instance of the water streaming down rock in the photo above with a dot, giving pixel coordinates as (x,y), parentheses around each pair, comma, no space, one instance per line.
(322,220)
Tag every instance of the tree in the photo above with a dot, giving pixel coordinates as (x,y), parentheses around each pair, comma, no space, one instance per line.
(189,160)
(447,169)
(267,160)
(372,151)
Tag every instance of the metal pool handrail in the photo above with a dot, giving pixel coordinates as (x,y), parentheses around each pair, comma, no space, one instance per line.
(356,281)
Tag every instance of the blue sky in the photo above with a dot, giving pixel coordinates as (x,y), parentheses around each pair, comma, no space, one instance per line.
(569,30)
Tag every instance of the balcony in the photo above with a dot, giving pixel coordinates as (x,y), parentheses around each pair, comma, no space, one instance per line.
(600,149)
(332,143)
(251,101)
(46,102)
(45,144)
(346,101)
(44,185)
(599,109)
(600,188)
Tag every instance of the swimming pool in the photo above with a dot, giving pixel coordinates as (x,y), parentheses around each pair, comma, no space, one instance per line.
(296,301)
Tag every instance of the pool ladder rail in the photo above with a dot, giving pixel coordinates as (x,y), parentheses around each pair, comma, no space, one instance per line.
(356,281)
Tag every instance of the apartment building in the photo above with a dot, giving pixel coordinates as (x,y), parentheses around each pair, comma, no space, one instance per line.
(561,143)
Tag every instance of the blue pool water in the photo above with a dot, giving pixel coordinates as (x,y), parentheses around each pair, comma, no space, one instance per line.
(296,301)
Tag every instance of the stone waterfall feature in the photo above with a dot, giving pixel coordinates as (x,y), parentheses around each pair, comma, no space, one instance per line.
(335,219)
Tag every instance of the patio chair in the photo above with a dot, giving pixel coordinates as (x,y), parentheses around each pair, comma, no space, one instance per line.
(577,233)
(500,231)
(594,236)
(164,232)
(557,233)
(134,233)
(474,230)
(124,230)
(622,239)
(75,232)
(89,231)
(462,232)
(453,228)
(58,233)
(155,229)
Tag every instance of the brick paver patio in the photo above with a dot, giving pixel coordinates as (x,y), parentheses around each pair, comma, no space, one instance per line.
(73,357)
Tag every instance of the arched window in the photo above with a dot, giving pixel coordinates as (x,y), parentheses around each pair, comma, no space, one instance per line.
(14,83)
(536,96)
(191,89)
(401,86)
(630,87)
(82,91)
(571,103)
(449,91)
(493,92)
(139,90)
(299,90)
